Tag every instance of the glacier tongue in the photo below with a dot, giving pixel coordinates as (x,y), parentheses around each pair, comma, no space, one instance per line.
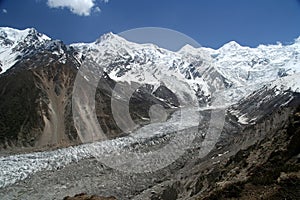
(18,167)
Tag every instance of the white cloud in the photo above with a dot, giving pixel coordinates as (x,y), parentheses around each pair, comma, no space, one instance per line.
(4,11)
(79,7)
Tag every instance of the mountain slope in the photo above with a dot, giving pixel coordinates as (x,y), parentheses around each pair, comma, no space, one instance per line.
(36,94)
(190,77)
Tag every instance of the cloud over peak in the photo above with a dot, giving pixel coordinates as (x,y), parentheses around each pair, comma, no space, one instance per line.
(79,7)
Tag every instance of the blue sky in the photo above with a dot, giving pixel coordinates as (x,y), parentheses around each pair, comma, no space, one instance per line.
(211,23)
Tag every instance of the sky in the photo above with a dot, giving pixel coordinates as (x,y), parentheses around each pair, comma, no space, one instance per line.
(212,23)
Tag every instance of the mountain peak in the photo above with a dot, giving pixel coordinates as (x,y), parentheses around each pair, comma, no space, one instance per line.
(187,48)
(231,45)
(13,43)
(194,51)
(17,35)
(297,40)
(31,30)
(108,37)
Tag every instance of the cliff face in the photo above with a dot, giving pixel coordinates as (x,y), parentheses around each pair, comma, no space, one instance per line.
(35,102)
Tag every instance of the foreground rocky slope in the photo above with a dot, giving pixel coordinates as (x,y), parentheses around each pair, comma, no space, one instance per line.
(257,160)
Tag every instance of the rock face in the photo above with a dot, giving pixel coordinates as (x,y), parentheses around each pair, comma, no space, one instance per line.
(35,100)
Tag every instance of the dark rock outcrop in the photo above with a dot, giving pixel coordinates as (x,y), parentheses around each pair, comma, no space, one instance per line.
(84,196)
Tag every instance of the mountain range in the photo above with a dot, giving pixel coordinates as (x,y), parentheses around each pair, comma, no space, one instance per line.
(258,89)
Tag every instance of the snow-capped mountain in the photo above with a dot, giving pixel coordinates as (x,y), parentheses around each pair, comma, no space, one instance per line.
(195,76)
(236,69)
(244,65)
(147,64)
(203,70)
(17,43)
